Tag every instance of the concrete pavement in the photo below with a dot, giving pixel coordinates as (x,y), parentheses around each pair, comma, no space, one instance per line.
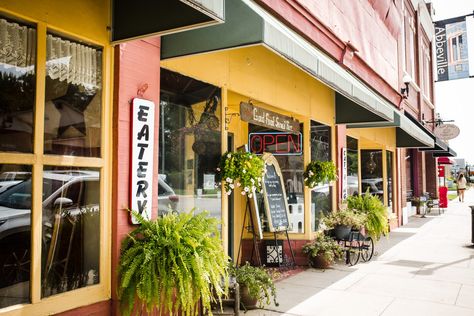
(424,268)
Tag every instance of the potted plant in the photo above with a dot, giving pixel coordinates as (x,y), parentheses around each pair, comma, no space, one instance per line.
(256,286)
(172,264)
(323,251)
(242,169)
(342,221)
(319,172)
(376,216)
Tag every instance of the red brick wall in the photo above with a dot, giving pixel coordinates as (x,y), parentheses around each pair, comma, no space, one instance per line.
(136,63)
(98,309)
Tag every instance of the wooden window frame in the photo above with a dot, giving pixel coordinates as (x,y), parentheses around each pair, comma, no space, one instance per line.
(409,53)
(38,161)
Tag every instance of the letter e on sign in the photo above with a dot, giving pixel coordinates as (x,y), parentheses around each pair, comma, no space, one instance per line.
(141,162)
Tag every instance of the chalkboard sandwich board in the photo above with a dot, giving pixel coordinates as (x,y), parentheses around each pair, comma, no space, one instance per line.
(274,196)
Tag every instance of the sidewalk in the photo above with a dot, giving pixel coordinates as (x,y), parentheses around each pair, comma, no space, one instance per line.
(425,268)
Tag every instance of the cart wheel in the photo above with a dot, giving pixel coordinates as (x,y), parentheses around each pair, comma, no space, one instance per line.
(353,253)
(367,249)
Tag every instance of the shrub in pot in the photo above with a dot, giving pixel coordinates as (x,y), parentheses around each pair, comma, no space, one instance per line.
(171,264)
(256,285)
(342,221)
(323,251)
(376,216)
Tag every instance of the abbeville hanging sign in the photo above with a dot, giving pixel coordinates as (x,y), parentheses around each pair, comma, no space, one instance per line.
(141,172)
(259,116)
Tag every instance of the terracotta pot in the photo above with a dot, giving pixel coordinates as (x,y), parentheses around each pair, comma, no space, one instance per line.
(245,299)
(319,262)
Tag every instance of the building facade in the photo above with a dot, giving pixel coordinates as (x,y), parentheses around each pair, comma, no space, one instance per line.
(70,71)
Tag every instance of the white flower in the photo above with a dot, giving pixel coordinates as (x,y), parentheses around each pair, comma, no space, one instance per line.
(229,155)
(250,195)
(252,180)
(218,169)
(310,173)
(228,180)
(244,171)
(243,193)
(238,184)
(305,179)
(229,192)
(246,189)
(231,186)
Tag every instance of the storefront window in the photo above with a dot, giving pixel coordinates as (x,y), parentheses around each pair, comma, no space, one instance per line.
(390,179)
(190,145)
(372,172)
(321,195)
(352,166)
(292,166)
(71,229)
(73,98)
(17,86)
(15,232)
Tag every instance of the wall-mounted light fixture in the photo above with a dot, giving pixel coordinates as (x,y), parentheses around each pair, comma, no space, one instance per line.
(405,91)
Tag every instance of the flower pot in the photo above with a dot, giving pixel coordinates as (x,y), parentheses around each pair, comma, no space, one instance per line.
(342,231)
(320,262)
(245,298)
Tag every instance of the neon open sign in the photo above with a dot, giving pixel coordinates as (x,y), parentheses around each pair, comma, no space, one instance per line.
(277,143)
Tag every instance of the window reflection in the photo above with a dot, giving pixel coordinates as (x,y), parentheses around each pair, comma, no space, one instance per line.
(390,179)
(73,98)
(321,195)
(71,229)
(17,86)
(15,253)
(372,174)
(190,145)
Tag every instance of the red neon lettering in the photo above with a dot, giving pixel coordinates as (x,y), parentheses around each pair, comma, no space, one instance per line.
(256,140)
(297,145)
(280,142)
(268,139)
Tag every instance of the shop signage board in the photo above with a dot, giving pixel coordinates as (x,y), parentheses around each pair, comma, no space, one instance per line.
(277,143)
(344,173)
(141,173)
(274,196)
(269,119)
(447,131)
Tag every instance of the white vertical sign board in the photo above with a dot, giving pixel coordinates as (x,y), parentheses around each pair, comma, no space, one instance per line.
(141,173)
(344,174)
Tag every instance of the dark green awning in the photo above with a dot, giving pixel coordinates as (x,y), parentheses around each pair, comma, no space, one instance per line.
(248,24)
(141,18)
(439,145)
(446,153)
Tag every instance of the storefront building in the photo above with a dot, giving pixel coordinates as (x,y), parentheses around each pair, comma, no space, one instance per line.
(68,82)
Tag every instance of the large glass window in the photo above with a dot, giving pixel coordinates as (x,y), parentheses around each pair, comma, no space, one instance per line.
(73,98)
(71,229)
(372,172)
(410,39)
(190,145)
(15,234)
(321,195)
(390,179)
(292,166)
(352,166)
(17,86)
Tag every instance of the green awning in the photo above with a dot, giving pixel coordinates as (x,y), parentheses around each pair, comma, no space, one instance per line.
(248,24)
(141,18)
(439,145)
(447,153)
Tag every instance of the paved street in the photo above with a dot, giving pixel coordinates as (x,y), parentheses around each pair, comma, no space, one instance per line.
(425,268)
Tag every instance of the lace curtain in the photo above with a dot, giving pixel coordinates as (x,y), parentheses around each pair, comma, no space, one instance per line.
(17,46)
(72,62)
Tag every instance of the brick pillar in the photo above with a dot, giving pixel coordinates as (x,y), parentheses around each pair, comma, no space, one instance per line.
(431,174)
(136,63)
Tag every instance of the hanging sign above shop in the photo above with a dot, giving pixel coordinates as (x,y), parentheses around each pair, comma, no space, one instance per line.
(262,117)
(344,173)
(447,131)
(141,173)
(277,143)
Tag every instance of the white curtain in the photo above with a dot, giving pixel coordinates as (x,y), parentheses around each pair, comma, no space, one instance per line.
(17,46)
(72,62)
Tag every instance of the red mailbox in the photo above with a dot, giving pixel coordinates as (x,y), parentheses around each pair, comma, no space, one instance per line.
(443,197)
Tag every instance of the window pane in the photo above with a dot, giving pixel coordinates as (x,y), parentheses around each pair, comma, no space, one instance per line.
(352,166)
(15,213)
(372,174)
(71,229)
(190,145)
(321,195)
(17,86)
(390,179)
(73,99)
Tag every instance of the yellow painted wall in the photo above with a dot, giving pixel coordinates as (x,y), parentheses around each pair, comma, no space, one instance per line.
(85,18)
(255,73)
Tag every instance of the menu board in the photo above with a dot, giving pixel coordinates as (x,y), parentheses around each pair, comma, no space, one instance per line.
(274,196)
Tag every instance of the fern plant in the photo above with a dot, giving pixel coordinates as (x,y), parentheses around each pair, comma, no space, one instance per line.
(171,263)
(376,223)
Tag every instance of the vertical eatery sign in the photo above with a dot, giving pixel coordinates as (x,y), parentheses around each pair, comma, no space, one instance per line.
(141,173)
